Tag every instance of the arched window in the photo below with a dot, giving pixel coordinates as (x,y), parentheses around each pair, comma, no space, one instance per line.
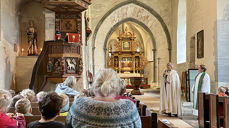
(181,32)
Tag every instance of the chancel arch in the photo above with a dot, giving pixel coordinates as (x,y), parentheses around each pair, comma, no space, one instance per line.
(134,11)
(143,36)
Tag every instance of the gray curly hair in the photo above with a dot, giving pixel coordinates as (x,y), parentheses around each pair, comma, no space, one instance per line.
(107,82)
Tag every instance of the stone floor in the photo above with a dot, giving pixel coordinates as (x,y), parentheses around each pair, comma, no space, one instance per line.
(152,99)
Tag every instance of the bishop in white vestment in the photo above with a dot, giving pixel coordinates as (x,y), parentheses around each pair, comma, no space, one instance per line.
(202,84)
(170,92)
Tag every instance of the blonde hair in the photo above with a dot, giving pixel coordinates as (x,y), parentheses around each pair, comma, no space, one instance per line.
(70,81)
(5,99)
(40,95)
(107,82)
(23,106)
(29,94)
(65,99)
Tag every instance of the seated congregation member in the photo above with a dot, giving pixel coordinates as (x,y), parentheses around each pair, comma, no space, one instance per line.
(65,105)
(23,106)
(66,86)
(122,91)
(222,91)
(50,107)
(9,120)
(40,95)
(104,110)
(29,94)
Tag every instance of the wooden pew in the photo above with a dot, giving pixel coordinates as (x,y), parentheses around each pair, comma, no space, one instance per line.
(226,112)
(201,119)
(164,125)
(30,119)
(149,120)
(35,111)
(34,105)
(211,111)
(203,110)
(214,115)
(221,111)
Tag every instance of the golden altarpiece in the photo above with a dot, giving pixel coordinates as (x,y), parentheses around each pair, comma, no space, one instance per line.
(126,56)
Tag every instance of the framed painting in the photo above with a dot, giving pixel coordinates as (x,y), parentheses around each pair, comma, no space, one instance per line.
(68,25)
(126,45)
(200,44)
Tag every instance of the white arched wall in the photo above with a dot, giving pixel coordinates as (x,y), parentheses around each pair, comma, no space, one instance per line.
(136,12)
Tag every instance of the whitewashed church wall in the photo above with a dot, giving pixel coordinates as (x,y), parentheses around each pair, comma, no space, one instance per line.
(202,15)
(9,41)
(222,65)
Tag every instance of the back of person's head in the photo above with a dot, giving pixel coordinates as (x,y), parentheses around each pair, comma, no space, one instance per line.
(40,95)
(29,94)
(70,81)
(15,99)
(5,99)
(65,104)
(50,105)
(107,82)
(23,106)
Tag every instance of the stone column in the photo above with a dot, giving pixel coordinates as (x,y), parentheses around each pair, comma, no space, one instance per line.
(84,49)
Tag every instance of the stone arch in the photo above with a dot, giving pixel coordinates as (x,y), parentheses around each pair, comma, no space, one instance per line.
(135,10)
(149,9)
(144,27)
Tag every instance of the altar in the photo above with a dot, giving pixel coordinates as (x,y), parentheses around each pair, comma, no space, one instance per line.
(126,57)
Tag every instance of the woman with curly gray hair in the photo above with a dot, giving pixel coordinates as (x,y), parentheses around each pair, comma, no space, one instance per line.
(104,110)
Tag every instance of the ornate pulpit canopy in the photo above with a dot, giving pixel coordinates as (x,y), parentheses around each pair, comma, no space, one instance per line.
(61,6)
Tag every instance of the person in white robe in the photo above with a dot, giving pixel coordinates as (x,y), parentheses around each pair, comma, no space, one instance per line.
(170,92)
(202,84)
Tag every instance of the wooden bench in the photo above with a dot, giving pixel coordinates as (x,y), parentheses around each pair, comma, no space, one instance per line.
(149,119)
(212,110)
(34,105)
(30,119)
(162,124)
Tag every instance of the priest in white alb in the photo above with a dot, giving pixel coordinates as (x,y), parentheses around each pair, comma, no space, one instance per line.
(202,84)
(170,92)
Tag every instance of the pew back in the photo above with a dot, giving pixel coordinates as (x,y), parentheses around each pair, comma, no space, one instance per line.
(30,119)
(214,117)
(201,97)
